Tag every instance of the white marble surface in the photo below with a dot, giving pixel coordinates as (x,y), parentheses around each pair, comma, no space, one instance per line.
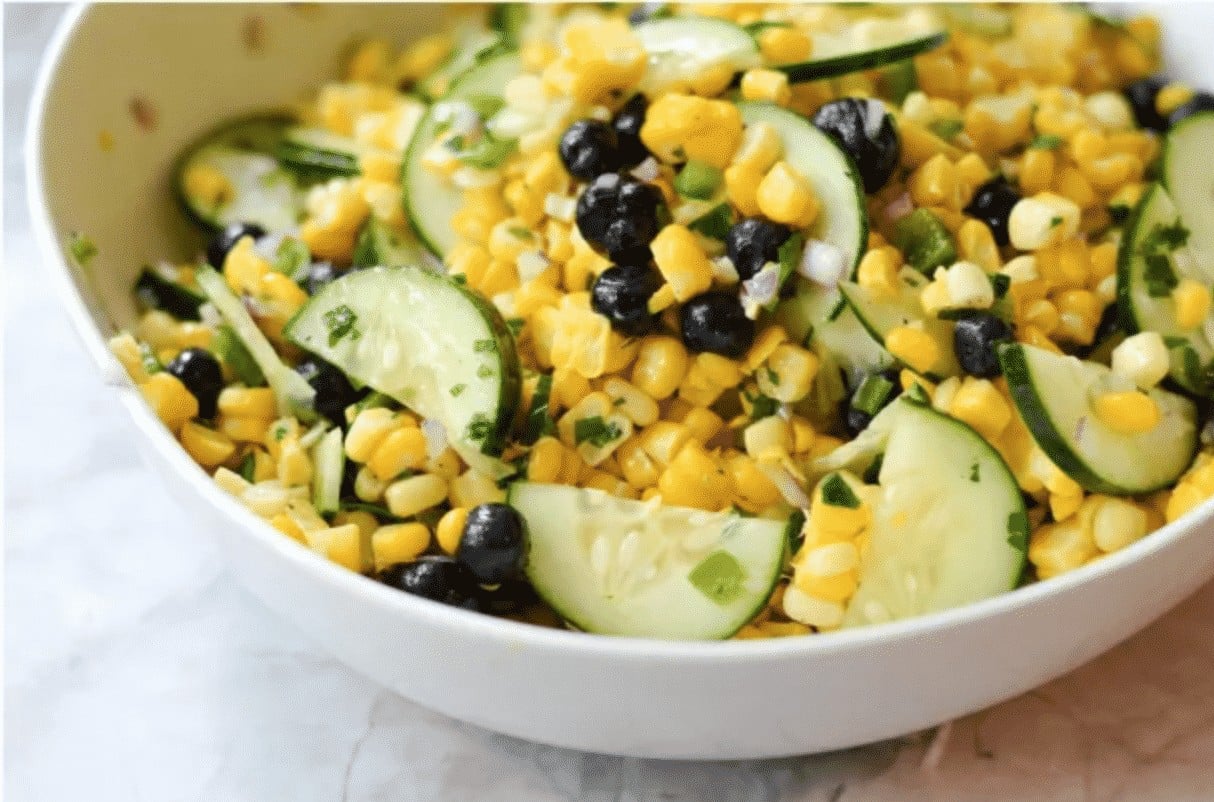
(135,669)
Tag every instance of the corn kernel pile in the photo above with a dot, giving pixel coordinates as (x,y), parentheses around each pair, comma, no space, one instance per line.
(1040,103)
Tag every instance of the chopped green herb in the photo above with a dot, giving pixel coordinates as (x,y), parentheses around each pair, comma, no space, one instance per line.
(946,129)
(1045,142)
(457,389)
(762,407)
(1166,238)
(280,431)
(773,378)
(520,233)
(715,223)
(873,472)
(487,346)
(147,358)
(1055,222)
(478,428)
(82,248)
(596,431)
(485,372)
(292,258)
(340,321)
(838,493)
(1159,276)
(975,474)
(698,180)
(788,256)
(248,466)
(756,28)
(1018,531)
(719,576)
(795,530)
(917,395)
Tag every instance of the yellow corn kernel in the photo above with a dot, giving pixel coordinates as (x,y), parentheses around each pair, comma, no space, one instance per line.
(835,522)
(545,174)
(293,464)
(936,183)
(403,449)
(661,363)
(784,45)
(638,468)
(753,489)
(742,186)
(450,529)
(263,465)
(973,172)
(598,59)
(976,244)
(365,521)
(1039,313)
(682,127)
(761,148)
(544,460)
(769,85)
(369,429)
(664,439)
(1117,523)
(607,428)
(768,438)
(243,429)
(1036,170)
(913,346)
(983,407)
(1172,97)
(822,614)
(1184,498)
(207,446)
(473,487)
(399,543)
(340,544)
(836,588)
(789,373)
(682,261)
(248,402)
(1102,263)
(639,407)
(767,341)
(207,186)
(1192,301)
(1060,547)
(367,487)
(694,479)
(1063,506)
(919,145)
(878,272)
(1078,316)
(170,400)
(1128,412)
(703,423)
(408,497)
(785,196)
(286,524)
(1031,335)
(1073,184)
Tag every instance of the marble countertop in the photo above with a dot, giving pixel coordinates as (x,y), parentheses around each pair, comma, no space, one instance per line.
(136,668)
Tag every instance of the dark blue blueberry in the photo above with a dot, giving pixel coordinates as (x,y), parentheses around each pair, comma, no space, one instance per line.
(866,132)
(439,579)
(753,242)
(199,371)
(1142,94)
(588,149)
(619,216)
(715,322)
(992,204)
(225,240)
(975,341)
(493,543)
(621,294)
(333,390)
(627,125)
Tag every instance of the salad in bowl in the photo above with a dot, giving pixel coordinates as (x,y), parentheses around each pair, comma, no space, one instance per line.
(707,321)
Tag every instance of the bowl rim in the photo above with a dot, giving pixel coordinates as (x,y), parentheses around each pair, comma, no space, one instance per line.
(478,625)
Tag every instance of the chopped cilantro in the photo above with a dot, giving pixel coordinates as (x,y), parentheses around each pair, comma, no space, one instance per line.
(457,389)
(773,378)
(1159,276)
(1055,222)
(485,372)
(762,406)
(520,232)
(478,428)
(873,472)
(1165,238)
(1000,283)
(147,358)
(248,467)
(292,258)
(838,493)
(341,320)
(975,475)
(596,431)
(946,129)
(82,248)
(789,256)
(1045,142)
(487,346)
(280,431)
(719,576)
(1018,531)
(756,28)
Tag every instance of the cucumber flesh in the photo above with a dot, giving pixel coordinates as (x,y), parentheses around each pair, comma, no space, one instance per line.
(879,315)
(1144,297)
(329,463)
(378,245)
(949,525)
(425,341)
(681,48)
(1053,395)
(1186,155)
(259,189)
(818,314)
(843,220)
(431,201)
(293,393)
(473,43)
(619,567)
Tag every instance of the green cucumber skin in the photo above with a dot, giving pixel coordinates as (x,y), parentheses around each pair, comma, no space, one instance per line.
(857,62)
(1125,256)
(156,292)
(1020,384)
(537,416)
(199,219)
(317,162)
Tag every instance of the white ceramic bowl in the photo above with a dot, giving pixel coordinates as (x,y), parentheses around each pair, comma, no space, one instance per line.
(631,697)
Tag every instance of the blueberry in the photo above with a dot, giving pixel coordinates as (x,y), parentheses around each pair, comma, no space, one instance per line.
(627,125)
(588,149)
(753,242)
(715,322)
(621,294)
(333,390)
(1142,94)
(647,11)
(492,544)
(320,274)
(856,420)
(512,596)
(199,371)
(439,579)
(975,339)
(1202,101)
(619,215)
(866,131)
(992,204)
(225,240)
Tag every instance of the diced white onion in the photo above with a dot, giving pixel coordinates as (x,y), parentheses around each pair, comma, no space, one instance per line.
(474,178)
(723,270)
(436,437)
(790,489)
(560,207)
(822,263)
(646,170)
(530,264)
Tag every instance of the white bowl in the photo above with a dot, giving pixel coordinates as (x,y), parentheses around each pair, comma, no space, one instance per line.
(631,697)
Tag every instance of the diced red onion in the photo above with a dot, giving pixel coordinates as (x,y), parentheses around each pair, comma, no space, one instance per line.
(899,207)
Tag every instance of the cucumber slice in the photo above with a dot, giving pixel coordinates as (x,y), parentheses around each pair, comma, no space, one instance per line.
(1144,287)
(236,357)
(155,291)
(258,189)
(836,55)
(1186,155)
(426,341)
(316,151)
(293,393)
(329,462)
(430,202)
(820,315)
(618,567)
(878,315)
(1053,395)
(681,48)
(473,43)
(539,421)
(379,246)
(843,221)
(949,525)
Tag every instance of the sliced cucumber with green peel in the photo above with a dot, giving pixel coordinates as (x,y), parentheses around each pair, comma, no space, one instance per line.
(1186,174)
(819,314)
(880,315)
(680,48)
(293,393)
(155,291)
(614,566)
(257,188)
(378,245)
(949,526)
(430,200)
(539,419)
(319,152)
(843,219)
(473,43)
(329,463)
(431,344)
(836,55)
(1054,396)
(1148,268)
